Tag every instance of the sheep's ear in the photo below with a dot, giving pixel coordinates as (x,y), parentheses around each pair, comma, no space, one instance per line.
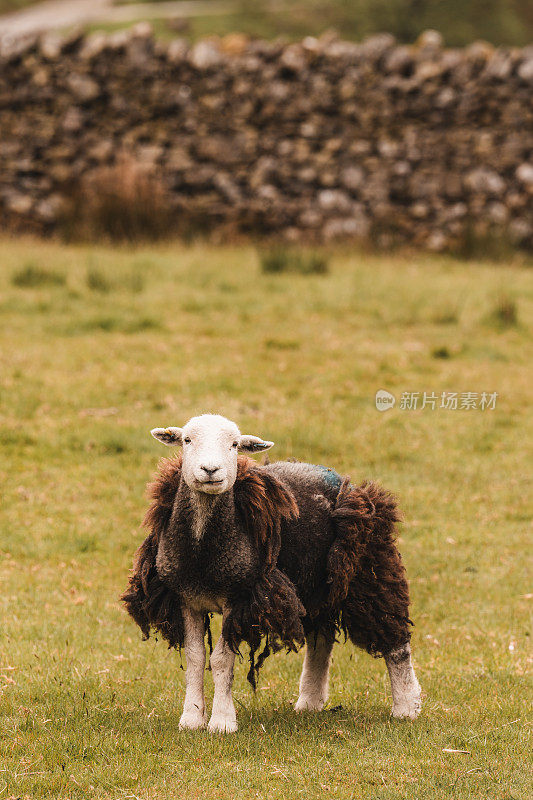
(169,436)
(253,444)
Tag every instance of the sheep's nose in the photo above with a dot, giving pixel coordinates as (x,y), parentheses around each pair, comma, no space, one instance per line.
(210,470)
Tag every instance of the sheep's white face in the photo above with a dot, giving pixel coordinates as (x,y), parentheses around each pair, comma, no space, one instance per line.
(210,445)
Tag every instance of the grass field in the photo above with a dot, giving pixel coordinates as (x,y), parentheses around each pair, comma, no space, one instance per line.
(14,5)
(460,21)
(100,345)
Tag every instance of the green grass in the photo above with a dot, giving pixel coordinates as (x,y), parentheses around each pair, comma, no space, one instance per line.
(300,261)
(460,21)
(87,709)
(31,275)
(7,6)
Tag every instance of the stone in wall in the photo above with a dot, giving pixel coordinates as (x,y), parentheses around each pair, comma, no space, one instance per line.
(319,140)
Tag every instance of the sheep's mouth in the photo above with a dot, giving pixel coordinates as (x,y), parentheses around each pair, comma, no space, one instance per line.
(212,487)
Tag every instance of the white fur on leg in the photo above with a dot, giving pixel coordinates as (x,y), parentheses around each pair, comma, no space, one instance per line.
(193,715)
(406,692)
(315,675)
(223,716)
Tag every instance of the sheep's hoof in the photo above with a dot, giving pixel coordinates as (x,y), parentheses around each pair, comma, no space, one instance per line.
(408,707)
(222,723)
(192,721)
(309,704)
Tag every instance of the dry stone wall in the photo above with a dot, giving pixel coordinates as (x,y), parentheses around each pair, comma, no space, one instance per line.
(317,140)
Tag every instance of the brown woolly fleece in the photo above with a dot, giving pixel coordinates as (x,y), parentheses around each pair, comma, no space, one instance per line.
(271,608)
(293,551)
(365,571)
(147,599)
(268,608)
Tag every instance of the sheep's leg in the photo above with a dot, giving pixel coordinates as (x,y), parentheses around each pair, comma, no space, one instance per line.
(193,715)
(315,674)
(406,692)
(223,716)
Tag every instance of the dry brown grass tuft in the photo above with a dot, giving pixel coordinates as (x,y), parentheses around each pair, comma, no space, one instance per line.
(122,202)
(505,312)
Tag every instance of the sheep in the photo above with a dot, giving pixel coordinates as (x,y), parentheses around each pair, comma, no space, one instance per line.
(287,552)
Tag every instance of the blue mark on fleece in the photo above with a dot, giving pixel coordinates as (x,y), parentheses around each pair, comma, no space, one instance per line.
(331,477)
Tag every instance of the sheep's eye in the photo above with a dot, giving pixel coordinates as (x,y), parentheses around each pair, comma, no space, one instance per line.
(187,440)
(235,444)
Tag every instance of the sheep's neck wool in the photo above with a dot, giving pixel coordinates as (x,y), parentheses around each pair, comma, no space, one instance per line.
(204,506)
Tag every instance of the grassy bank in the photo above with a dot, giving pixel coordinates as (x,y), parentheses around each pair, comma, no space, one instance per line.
(498,21)
(100,345)
(460,22)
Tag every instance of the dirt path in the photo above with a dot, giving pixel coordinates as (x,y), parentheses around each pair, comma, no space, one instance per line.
(56,14)
(52,14)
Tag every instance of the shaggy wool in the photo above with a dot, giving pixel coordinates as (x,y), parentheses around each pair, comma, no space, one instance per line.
(361,590)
